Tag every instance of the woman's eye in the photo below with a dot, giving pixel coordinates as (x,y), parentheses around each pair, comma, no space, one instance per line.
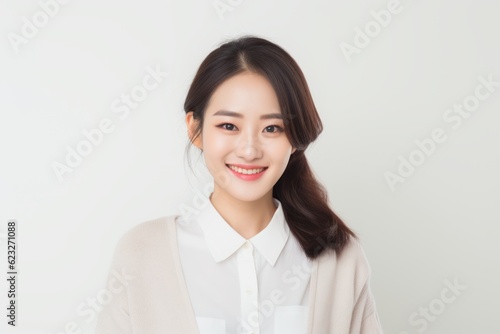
(232,127)
(274,128)
(227,126)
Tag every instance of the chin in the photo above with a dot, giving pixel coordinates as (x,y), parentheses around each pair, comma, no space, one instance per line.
(245,195)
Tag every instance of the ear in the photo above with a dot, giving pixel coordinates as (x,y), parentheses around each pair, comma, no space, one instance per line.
(191,124)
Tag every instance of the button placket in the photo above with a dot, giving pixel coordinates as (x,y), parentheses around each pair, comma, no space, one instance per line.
(248,287)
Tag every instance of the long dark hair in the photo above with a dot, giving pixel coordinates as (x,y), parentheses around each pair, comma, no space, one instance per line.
(304,200)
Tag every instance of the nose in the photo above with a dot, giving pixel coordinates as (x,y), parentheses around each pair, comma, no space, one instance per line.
(249,148)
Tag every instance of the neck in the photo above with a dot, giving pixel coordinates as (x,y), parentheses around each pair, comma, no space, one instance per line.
(247,218)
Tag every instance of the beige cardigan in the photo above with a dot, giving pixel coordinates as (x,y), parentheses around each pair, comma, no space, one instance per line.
(155,299)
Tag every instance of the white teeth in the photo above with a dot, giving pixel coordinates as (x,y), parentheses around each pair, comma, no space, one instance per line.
(246,171)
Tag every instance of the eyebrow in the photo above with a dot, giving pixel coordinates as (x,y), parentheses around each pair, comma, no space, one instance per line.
(236,114)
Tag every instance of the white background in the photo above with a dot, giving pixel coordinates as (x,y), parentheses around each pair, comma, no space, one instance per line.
(440,224)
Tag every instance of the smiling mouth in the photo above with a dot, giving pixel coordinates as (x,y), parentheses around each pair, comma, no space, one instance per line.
(247,171)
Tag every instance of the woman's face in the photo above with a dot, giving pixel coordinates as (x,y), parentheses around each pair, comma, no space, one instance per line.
(243,140)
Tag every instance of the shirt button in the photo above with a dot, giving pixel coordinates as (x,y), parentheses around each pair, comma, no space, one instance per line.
(249,291)
(247,245)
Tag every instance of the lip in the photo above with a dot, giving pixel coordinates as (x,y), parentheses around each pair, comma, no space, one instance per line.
(247,177)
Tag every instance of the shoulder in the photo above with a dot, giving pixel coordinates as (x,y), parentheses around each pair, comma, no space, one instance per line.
(350,264)
(355,256)
(140,233)
(144,238)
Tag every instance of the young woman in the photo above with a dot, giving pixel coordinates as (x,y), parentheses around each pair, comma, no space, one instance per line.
(266,254)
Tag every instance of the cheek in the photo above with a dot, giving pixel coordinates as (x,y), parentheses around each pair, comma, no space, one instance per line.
(214,144)
(281,152)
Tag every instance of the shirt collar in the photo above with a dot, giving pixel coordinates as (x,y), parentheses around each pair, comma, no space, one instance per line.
(223,240)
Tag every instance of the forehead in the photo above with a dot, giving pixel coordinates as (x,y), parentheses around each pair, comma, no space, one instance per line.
(245,92)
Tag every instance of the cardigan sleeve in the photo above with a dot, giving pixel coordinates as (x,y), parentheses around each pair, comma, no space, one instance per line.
(114,317)
(342,302)
(147,291)
(365,319)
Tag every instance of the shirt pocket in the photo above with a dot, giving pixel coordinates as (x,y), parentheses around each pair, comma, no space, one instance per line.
(207,325)
(291,319)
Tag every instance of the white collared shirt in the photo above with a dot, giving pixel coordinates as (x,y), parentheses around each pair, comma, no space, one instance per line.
(240,286)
